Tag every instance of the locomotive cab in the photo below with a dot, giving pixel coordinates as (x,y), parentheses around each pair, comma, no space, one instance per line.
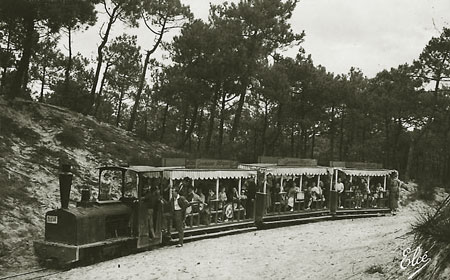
(124,215)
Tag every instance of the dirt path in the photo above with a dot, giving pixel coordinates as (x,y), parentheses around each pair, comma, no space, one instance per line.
(343,249)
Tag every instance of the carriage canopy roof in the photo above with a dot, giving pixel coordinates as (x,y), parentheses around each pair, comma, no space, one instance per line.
(367,172)
(276,170)
(203,174)
(151,171)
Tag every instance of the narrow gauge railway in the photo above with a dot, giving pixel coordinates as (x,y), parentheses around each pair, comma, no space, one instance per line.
(130,211)
(32,274)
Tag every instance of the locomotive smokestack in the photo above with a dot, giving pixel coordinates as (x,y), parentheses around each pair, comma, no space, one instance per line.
(65,184)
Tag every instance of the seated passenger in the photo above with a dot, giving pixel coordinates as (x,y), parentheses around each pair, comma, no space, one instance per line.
(291,198)
(316,194)
(373,196)
(309,197)
(222,197)
(380,194)
(194,197)
(358,197)
(202,197)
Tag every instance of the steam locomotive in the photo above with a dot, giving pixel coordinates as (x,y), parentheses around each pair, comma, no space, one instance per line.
(101,229)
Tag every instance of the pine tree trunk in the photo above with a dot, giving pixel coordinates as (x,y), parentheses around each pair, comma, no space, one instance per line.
(164,120)
(264,129)
(212,115)
(119,108)
(5,67)
(409,160)
(112,19)
(69,60)
(237,115)
(17,88)
(333,111)
(41,95)
(313,138)
(190,128)
(341,138)
(100,92)
(292,140)
(144,72)
(221,125)
(199,131)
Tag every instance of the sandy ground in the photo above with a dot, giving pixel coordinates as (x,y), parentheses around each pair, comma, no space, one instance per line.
(343,249)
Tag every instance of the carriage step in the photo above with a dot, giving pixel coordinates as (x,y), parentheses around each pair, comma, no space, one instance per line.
(214,234)
(298,220)
(359,212)
(360,215)
(214,228)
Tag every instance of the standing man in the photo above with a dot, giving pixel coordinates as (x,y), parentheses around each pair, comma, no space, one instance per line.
(339,187)
(178,208)
(394,193)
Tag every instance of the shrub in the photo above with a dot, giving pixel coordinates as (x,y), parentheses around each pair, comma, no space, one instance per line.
(9,127)
(71,137)
(375,269)
(426,189)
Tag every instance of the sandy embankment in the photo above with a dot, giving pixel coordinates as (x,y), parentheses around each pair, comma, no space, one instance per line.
(343,249)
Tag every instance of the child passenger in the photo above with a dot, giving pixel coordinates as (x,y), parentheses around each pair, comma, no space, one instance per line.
(358,197)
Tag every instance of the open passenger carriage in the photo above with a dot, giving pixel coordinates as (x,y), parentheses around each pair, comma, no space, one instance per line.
(366,187)
(291,188)
(220,195)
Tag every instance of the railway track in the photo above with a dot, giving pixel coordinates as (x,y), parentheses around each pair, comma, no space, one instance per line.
(32,274)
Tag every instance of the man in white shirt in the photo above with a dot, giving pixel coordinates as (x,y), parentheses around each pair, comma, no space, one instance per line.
(339,187)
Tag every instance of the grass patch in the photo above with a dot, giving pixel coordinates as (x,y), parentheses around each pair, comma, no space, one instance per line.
(55,120)
(71,137)
(54,159)
(15,188)
(9,127)
(432,232)
(101,133)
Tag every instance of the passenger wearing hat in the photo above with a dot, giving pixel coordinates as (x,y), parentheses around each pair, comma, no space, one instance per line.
(178,205)
(184,185)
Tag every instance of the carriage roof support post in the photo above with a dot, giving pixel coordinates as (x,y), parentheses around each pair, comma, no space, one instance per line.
(239,186)
(301,182)
(281,183)
(318,180)
(384,186)
(265,183)
(170,187)
(331,181)
(193,182)
(217,188)
(336,178)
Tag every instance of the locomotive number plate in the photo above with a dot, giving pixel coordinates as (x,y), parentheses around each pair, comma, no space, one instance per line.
(52,219)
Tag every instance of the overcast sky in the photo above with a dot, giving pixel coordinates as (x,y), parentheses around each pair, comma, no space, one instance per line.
(368,34)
